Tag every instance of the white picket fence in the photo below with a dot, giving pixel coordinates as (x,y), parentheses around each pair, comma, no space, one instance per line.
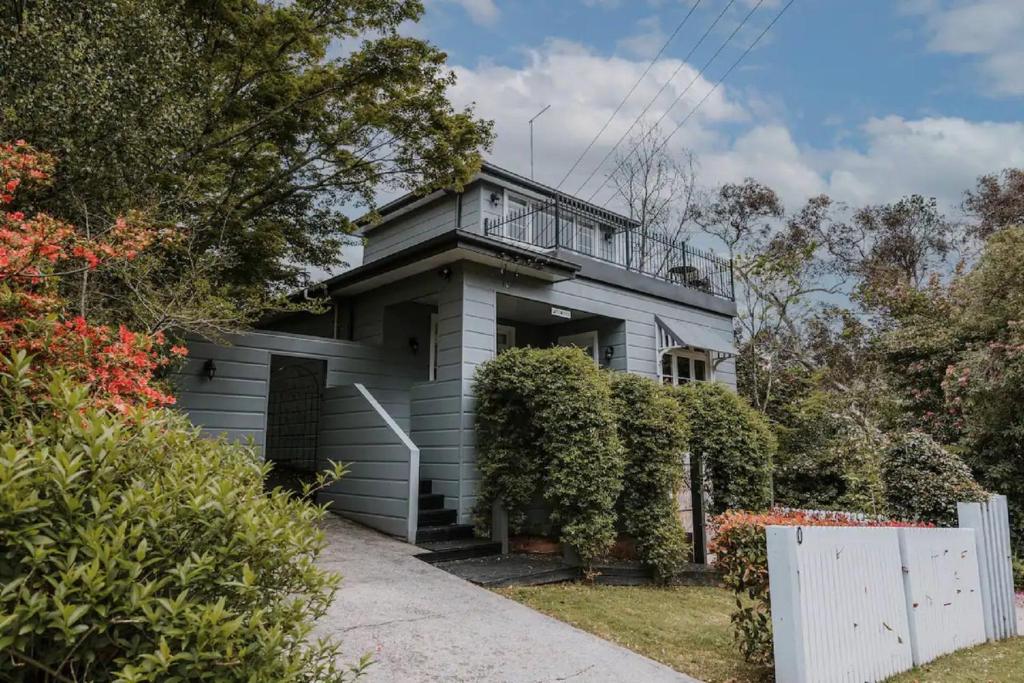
(865,603)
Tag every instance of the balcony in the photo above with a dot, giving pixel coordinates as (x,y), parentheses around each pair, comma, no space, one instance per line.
(576,227)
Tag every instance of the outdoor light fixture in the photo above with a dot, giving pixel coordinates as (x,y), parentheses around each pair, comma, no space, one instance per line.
(495,198)
(210,369)
(414,344)
(445,273)
(609,351)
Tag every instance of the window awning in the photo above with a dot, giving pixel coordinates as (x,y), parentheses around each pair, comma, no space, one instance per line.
(675,335)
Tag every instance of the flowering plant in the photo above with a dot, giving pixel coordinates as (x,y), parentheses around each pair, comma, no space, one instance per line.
(741,550)
(35,253)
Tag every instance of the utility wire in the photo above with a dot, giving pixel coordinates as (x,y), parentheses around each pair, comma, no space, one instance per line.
(650,65)
(706,96)
(648,106)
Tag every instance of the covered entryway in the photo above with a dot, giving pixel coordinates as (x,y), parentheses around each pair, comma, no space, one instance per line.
(293,418)
(525,322)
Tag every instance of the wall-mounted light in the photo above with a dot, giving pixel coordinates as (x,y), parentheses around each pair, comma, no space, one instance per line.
(495,198)
(609,353)
(445,273)
(210,369)
(414,344)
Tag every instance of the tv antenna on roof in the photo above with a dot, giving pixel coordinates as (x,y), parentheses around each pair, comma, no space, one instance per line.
(535,117)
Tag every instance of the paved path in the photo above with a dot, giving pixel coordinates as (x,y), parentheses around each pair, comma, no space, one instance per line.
(424,624)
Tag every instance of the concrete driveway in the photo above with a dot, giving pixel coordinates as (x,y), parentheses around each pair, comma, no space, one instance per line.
(423,624)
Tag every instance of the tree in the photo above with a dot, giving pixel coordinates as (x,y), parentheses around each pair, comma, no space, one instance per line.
(996,202)
(250,127)
(658,190)
(890,248)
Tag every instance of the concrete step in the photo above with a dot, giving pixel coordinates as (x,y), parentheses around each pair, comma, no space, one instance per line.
(458,549)
(443,532)
(431,501)
(437,517)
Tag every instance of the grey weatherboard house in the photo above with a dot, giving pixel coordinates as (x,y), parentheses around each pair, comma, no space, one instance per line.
(384,379)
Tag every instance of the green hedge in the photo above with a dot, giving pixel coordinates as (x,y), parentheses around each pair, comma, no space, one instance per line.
(924,481)
(545,423)
(654,433)
(736,443)
(133,549)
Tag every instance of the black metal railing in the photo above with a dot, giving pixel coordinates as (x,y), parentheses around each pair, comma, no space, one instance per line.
(610,238)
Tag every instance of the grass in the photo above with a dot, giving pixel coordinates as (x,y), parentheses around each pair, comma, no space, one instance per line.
(1002,661)
(688,629)
(685,628)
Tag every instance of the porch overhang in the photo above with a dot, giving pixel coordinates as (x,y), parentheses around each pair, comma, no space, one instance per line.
(674,336)
(451,247)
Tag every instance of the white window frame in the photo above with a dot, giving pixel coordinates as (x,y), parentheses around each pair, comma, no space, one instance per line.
(510,334)
(687,355)
(583,340)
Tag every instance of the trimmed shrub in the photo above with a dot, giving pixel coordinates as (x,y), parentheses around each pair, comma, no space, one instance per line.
(545,422)
(133,549)
(742,556)
(736,443)
(654,434)
(924,481)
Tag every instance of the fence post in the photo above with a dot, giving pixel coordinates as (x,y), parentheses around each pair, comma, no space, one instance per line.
(558,223)
(700,534)
(991,523)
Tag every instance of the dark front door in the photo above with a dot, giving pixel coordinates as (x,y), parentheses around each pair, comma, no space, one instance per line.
(293,418)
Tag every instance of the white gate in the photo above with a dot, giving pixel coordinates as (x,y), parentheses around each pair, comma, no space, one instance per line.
(991,523)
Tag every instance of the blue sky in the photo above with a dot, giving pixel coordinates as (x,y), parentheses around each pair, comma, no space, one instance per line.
(863,99)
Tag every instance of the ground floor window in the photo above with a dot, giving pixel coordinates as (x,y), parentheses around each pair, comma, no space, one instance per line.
(685,365)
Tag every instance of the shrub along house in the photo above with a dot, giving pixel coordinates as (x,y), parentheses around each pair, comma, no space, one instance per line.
(383,380)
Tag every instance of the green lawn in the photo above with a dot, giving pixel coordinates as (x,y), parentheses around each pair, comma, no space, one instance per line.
(996,662)
(687,629)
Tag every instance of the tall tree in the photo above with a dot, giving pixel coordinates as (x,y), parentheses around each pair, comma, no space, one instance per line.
(251,128)
(996,202)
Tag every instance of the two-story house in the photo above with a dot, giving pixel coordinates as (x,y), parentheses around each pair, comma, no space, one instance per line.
(383,380)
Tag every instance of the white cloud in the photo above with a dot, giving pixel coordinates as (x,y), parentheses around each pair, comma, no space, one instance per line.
(482,12)
(988,29)
(733,135)
(583,89)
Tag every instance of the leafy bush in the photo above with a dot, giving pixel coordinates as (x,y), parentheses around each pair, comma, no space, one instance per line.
(736,442)
(654,434)
(825,460)
(545,422)
(132,549)
(924,481)
(741,550)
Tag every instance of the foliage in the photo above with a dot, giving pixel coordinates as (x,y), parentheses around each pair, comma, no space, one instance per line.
(741,550)
(35,253)
(996,202)
(654,435)
(545,423)
(134,549)
(736,443)
(251,127)
(825,460)
(1018,574)
(924,481)
(684,627)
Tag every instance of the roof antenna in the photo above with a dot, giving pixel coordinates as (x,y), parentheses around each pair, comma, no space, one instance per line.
(536,116)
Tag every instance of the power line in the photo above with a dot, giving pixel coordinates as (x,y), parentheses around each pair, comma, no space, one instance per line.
(706,96)
(650,65)
(647,107)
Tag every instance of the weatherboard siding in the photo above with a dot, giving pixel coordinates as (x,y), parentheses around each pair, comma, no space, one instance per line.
(234,402)
(375,491)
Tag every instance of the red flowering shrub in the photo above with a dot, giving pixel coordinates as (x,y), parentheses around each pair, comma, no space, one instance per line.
(35,252)
(742,556)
